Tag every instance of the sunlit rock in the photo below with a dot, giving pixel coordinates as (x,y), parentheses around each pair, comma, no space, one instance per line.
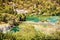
(21,11)
(4,28)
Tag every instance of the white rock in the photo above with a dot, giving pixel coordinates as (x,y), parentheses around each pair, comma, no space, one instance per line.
(21,11)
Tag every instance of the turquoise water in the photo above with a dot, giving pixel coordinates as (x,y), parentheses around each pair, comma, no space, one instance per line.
(35,19)
(15,29)
(53,19)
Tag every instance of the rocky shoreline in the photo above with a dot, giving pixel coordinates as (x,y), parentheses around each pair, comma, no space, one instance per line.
(39,26)
(5,27)
(45,27)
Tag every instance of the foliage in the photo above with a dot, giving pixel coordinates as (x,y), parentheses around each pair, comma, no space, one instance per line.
(34,7)
(41,7)
(8,18)
(7,36)
(29,33)
(13,19)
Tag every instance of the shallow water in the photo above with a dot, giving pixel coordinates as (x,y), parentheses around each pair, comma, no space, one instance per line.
(15,29)
(34,19)
(52,19)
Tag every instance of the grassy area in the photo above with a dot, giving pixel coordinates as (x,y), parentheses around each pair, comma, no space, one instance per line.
(38,10)
(28,32)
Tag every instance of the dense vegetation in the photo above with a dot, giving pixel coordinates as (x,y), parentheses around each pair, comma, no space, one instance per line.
(42,7)
(34,7)
(29,33)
